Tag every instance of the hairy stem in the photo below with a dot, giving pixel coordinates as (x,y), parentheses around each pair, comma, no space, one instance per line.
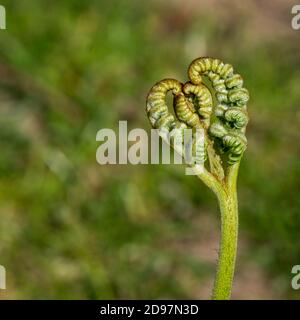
(228,247)
(229,232)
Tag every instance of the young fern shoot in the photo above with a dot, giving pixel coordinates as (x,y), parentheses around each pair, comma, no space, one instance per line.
(213,100)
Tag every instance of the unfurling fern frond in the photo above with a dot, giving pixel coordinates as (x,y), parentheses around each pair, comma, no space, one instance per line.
(193,104)
(213,100)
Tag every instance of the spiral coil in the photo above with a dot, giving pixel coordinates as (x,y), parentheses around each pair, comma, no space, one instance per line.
(221,112)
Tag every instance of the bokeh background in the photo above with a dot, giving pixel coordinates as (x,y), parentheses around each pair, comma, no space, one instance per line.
(70,228)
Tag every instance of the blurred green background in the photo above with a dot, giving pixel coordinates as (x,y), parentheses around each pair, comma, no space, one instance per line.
(70,228)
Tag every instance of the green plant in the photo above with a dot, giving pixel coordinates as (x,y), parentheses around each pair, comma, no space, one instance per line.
(214,101)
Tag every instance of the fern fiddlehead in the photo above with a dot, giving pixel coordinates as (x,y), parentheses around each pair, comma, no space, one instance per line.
(214,100)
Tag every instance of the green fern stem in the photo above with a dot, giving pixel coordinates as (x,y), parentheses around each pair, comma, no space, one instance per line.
(229,234)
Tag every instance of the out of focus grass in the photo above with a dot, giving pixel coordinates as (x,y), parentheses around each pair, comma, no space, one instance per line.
(70,228)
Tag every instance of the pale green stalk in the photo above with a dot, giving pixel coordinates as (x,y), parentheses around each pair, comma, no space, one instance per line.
(227,198)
